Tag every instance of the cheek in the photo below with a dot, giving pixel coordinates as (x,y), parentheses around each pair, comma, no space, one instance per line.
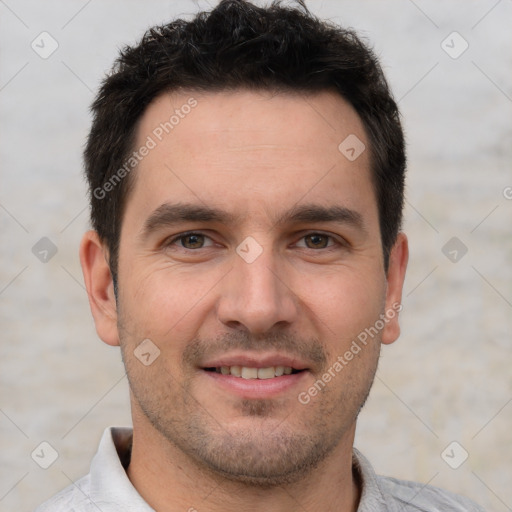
(165,303)
(344,304)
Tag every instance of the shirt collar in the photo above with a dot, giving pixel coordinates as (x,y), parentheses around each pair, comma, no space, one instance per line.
(372,497)
(111,488)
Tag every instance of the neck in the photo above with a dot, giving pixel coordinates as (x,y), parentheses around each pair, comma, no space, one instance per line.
(170,480)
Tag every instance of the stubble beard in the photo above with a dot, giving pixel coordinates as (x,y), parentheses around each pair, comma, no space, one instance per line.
(258,457)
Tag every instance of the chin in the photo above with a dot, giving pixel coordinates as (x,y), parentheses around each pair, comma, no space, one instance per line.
(272,459)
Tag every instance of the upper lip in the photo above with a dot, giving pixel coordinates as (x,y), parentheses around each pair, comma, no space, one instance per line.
(255,360)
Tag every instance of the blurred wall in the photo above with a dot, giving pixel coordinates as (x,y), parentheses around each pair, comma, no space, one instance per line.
(446,380)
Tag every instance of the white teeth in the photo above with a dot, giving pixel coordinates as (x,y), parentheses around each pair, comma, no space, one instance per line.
(236,371)
(249,373)
(255,373)
(266,373)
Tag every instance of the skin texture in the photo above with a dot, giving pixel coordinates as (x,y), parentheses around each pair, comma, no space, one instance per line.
(255,155)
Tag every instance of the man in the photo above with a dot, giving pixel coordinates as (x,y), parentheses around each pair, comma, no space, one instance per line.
(246,174)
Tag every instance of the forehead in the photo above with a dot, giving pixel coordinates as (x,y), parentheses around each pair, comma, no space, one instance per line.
(229,116)
(250,151)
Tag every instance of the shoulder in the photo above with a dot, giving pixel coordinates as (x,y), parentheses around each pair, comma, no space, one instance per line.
(73,498)
(394,495)
(414,496)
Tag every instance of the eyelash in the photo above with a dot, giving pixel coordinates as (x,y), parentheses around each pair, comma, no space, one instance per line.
(181,236)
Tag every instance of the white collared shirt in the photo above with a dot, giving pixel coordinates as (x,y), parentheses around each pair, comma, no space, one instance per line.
(107,488)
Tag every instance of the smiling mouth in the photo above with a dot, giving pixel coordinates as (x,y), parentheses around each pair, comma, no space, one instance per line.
(246,372)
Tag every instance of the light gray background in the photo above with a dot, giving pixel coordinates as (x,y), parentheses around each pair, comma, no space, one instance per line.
(447,379)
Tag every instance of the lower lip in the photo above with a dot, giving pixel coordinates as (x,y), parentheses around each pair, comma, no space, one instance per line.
(257,388)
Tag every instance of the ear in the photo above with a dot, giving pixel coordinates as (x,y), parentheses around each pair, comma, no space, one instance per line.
(398,259)
(100,287)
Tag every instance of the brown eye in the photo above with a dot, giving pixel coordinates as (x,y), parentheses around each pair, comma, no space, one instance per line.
(192,241)
(189,243)
(317,241)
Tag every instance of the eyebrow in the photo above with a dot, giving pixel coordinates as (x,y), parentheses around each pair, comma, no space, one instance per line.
(169,214)
(312,213)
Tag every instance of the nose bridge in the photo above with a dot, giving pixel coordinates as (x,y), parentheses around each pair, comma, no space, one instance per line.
(255,295)
(259,278)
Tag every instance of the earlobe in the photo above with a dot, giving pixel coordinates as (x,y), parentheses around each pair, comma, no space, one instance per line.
(99,284)
(397,267)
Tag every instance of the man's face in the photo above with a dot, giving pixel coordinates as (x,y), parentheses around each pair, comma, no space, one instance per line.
(281,270)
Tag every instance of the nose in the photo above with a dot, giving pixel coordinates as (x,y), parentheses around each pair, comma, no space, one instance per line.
(255,297)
